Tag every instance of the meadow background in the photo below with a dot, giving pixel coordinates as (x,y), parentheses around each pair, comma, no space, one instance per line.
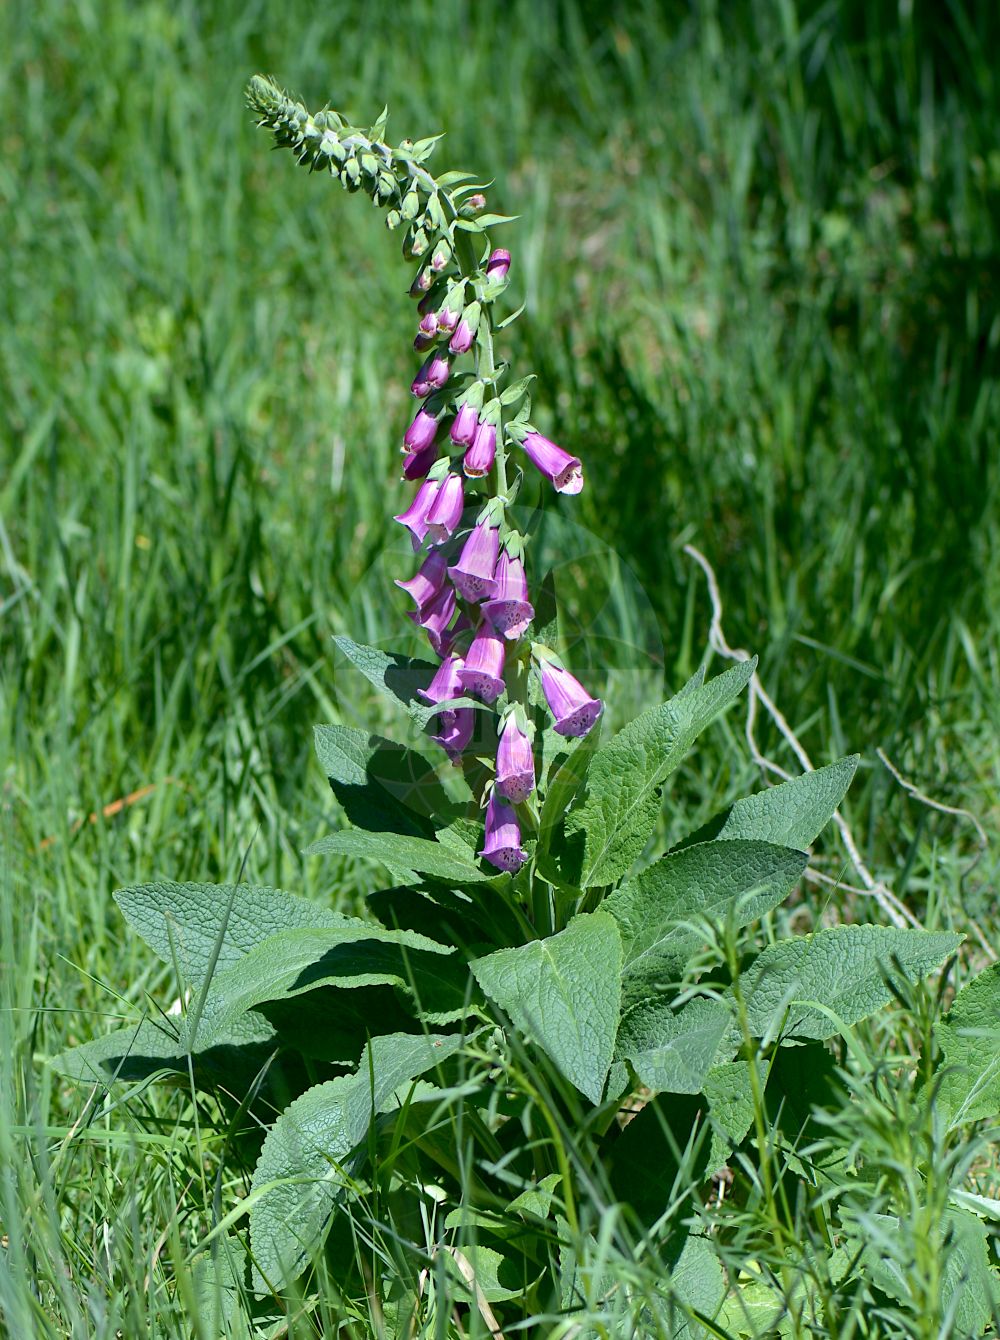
(760,251)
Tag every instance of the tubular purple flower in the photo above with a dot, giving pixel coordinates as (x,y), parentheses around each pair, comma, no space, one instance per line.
(435,616)
(482,673)
(515,763)
(481,453)
(502,844)
(421,283)
(432,376)
(418,463)
(464,425)
(444,686)
(415,516)
(473,573)
(564,470)
(428,579)
(456,732)
(428,325)
(450,636)
(498,264)
(421,432)
(569,702)
(510,611)
(446,511)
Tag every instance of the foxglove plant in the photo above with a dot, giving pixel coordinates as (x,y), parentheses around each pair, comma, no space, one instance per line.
(528,903)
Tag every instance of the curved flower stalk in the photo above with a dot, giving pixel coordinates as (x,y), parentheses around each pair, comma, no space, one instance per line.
(463,449)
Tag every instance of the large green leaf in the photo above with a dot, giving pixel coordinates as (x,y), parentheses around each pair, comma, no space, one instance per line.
(671,1050)
(404,855)
(156,1045)
(730,1106)
(810,986)
(298,1178)
(789,815)
(190,922)
(969,1037)
(565,993)
(608,830)
(658,911)
(380,786)
(969,1290)
(294,962)
(398,677)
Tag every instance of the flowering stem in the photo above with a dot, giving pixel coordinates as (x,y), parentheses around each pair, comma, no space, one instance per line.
(475,606)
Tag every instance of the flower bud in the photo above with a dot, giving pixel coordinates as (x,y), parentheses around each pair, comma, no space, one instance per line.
(421,432)
(475,202)
(393,219)
(428,326)
(424,279)
(418,463)
(464,425)
(442,254)
(498,264)
(432,376)
(465,331)
(410,207)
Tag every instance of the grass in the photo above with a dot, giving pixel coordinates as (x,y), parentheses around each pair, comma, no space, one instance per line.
(759,251)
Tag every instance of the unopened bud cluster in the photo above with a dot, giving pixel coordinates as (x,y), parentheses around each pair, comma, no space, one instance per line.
(470,591)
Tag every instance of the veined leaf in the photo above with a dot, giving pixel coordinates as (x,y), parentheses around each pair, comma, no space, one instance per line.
(810,986)
(789,815)
(189,921)
(293,962)
(402,854)
(969,1037)
(398,677)
(381,786)
(658,911)
(564,992)
(671,1050)
(606,833)
(298,1178)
